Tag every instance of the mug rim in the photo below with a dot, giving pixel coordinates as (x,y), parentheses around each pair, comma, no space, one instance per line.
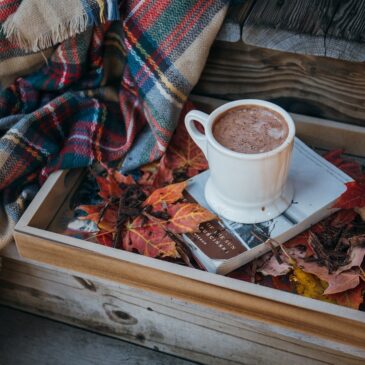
(257,102)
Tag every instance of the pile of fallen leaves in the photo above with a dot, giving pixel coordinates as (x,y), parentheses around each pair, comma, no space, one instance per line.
(324,262)
(147,214)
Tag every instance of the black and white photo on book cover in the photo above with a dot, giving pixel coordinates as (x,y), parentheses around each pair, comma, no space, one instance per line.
(317,184)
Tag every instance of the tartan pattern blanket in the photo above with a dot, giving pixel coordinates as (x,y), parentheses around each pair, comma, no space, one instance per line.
(28,26)
(113,91)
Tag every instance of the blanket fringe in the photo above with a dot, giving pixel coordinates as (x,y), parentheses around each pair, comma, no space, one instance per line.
(60,32)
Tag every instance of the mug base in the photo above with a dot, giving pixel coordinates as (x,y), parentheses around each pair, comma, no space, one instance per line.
(249,215)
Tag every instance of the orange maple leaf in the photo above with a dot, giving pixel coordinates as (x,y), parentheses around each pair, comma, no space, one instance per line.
(105,221)
(184,154)
(92,212)
(186,217)
(148,239)
(353,197)
(156,174)
(166,195)
(111,186)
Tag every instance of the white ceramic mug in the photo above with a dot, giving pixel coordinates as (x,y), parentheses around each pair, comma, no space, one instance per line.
(244,188)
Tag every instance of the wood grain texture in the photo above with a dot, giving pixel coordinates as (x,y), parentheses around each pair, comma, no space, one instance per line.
(162,323)
(309,85)
(330,28)
(232,25)
(28,339)
(346,34)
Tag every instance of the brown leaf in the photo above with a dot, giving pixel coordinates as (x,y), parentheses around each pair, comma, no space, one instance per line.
(338,281)
(342,218)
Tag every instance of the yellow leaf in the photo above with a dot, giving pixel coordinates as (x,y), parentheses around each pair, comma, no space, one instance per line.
(308,285)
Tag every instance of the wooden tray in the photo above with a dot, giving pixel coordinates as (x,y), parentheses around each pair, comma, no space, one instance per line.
(338,329)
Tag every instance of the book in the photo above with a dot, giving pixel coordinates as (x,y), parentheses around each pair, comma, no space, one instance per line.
(222,246)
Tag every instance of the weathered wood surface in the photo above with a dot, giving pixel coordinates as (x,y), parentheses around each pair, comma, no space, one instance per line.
(27,339)
(236,15)
(332,28)
(162,323)
(309,85)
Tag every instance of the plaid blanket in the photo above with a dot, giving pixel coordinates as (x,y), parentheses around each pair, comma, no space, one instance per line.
(113,91)
(29,26)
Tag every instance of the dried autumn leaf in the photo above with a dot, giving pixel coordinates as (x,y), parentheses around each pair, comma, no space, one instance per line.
(342,218)
(353,197)
(341,280)
(352,298)
(111,185)
(148,239)
(156,174)
(307,284)
(105,222)
(351,168)
(121,179)
(92,212)
(183,154)
(109,188)
(186,217)
(166,195)
(105,239)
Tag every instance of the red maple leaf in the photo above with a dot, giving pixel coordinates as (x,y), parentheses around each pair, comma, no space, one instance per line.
(351,168)
(352,298)
(156,174)
(353,197)
(148,239)
(148,228)
(184,155)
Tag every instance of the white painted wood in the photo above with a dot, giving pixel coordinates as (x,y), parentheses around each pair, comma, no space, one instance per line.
(171,325)
(26,339)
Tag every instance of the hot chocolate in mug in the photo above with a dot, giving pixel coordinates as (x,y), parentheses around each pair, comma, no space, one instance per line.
(244,187)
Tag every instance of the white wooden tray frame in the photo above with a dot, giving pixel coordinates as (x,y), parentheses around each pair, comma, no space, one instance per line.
(326,330)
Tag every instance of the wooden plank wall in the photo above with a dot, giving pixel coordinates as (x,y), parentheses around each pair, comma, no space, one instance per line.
(302,54)
(316,86)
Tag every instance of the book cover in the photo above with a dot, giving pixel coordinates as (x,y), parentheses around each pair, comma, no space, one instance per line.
(222,246)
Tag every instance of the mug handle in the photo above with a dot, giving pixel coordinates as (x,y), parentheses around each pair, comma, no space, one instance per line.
(199,138)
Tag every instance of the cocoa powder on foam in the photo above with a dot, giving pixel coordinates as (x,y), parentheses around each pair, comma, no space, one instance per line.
(250,129)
